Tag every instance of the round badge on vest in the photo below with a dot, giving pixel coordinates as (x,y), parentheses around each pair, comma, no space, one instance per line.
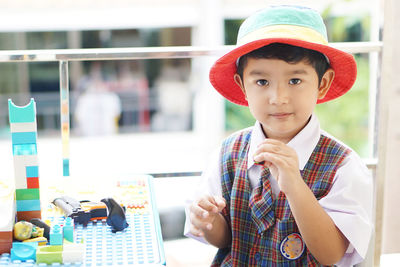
(292,247)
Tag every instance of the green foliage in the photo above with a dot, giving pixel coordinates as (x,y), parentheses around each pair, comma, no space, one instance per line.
(231,30)
(346,118)
(237,117)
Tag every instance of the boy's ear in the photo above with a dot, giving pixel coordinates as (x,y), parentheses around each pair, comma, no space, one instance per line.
(239,82)
(325,83)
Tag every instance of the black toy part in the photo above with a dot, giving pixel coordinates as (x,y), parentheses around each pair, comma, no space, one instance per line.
(115,215)
(39,223)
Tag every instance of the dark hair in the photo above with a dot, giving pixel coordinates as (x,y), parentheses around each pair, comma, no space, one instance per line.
(288,53)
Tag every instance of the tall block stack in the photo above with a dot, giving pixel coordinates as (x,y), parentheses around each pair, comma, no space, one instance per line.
(7,217)
(24,135)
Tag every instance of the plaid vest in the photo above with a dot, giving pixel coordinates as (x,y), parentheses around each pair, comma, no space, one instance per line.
(249,247)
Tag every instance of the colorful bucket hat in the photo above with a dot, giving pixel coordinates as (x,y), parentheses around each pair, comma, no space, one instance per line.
(293,25)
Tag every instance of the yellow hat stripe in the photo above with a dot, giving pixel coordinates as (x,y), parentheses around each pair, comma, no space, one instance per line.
(284,31)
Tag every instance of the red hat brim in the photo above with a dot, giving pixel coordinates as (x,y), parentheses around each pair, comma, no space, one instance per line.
(223,70)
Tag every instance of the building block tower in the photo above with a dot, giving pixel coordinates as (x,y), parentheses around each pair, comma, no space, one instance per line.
(24,134)
(7,217)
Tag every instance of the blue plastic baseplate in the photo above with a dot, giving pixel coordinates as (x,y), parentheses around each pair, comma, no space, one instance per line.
(139,244)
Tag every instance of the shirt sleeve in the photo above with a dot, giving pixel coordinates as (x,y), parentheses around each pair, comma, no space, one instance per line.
(349,204)
(209,184)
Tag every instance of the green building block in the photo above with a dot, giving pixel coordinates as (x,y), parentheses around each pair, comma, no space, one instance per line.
(27,194)
(49,254)
(22,114)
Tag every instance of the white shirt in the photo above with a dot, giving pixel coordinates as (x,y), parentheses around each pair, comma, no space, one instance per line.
(348,203)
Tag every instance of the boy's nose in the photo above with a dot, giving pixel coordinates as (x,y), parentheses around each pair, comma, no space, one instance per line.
(278,95)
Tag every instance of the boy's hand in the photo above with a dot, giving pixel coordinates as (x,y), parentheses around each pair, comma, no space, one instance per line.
(282,162)
(203,213)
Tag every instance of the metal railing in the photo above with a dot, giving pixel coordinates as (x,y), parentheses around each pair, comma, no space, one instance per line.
(61,55)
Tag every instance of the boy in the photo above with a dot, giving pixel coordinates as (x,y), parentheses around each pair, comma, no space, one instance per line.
(284,193)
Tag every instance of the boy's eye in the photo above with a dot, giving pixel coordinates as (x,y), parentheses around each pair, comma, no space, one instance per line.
(294,81)
(262,82)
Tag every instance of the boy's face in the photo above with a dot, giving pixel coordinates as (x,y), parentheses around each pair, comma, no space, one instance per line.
(282,96)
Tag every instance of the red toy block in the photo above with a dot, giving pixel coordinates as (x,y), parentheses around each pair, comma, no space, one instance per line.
(28,215)
(5,247)
(6,236)
(6,239)
(32,182)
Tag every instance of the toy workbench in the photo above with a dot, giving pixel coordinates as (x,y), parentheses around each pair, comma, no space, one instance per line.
(139,244)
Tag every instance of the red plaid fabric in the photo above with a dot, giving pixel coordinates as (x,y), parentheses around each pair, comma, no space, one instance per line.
(255,243)
(261,203)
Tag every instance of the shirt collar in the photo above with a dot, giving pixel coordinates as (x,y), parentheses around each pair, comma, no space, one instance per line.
(303,143)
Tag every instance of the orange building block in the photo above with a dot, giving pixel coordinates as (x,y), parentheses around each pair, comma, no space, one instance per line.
(6,239)
(28,215)
(32,182)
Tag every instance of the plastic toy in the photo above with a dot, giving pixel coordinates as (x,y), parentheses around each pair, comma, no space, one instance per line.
(56,235)
(42,224)
(49,254)
(115,215)
(73,252)
(72,208)
(25,230)
(96,244)
(24,134)
(7,218)
(23,251)
(81,211)
(68,229)
(41,241)
(137,245)
(64,110)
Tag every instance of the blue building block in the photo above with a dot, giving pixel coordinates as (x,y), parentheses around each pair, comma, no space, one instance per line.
(32,171)
(24,251)
(65,167)
(68,229)
(22,114)
(24,149)
(24,138)
(28,205)
(56,235)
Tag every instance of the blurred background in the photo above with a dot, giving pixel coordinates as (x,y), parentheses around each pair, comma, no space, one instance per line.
(159,116)
(142,94)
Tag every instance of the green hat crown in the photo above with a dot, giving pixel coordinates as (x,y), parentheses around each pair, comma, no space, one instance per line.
(283,15)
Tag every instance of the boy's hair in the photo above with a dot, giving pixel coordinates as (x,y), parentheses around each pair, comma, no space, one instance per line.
(289,54)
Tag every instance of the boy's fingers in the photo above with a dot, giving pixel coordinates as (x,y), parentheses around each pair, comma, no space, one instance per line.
(270,158)
(200,223)
(195,231)
(220,202)
(198,211)
(274,149)
(265,154)
(208,204)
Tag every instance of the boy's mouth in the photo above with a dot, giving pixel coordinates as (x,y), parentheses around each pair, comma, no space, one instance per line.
(280,115)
